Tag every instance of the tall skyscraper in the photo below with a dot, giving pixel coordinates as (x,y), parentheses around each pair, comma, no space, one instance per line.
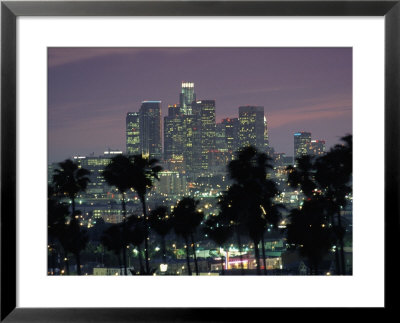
(302,141)
(150,129)
(266,137)
(191,142)
(205,110)
(133,134)
(317,147)
(173,135)
(252,127)
(231,129)
(187,96)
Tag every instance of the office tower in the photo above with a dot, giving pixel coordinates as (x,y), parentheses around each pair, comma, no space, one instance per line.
(317,148)
(266,138)
(251,127)
(205,111)
(150,129)
(302,141)
(187,96)
(191,142)
(231,129)
(173,135)
(97,189)
(220,137)
(133,134)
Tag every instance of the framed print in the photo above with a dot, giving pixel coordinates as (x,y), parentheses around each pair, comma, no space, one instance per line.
(216,105)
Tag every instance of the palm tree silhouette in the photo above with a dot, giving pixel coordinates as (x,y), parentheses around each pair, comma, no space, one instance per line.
(160,221)
(113,241)
(219,230)
(231,209)
(57,214)
(310,232)
(69,180)
(303,175)
(186,219)
(144,173)
(334,176)
(249,173)
(75,239)
(137,237)
(119,173)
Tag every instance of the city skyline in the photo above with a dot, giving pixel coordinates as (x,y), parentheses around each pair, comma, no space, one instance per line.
(83,82)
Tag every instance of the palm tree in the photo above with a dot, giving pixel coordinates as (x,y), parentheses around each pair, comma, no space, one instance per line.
(56,223)
(137,237)
(303,175)
(160,221)
(69,180)
(144,172)
(231,209)
(186,219)
(271,213)
(75,240)
(113,241)
(334,176)
(249,173)
(310,232)
(219,230)
(119,173)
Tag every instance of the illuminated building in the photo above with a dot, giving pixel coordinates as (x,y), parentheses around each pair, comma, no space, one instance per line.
(187,96)
(220,137)
(150,129)
(302,141)
(317,147)
(231,130)
(173,135)
(191,142)
(97,188)
(266,138)
(251,127)
(133,133)
(171,183)
(205,111)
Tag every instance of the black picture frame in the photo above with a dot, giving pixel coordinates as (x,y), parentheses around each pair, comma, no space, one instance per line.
(10,10)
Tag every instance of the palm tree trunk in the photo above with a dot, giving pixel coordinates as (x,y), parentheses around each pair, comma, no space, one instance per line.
(341,244)
(124,233)
(140,259)
(240,249)
(73,207)
(222,262)
(164,249)
(119,263)
(337,262)
(187,256)
(66,263)
(257,256)
(263,254)
(146,235)
(194,255)
(78,263)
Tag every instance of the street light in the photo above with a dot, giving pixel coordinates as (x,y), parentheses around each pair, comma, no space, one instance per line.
(163,268)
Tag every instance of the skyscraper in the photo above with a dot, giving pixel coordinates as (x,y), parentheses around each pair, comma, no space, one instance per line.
(317,147)
(186,97)
(173,134)
(302,141)
(251,127)
(150,129)
(231,129)
(205,110)
(133,134)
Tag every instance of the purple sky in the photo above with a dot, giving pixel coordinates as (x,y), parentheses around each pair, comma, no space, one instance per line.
(92,89)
